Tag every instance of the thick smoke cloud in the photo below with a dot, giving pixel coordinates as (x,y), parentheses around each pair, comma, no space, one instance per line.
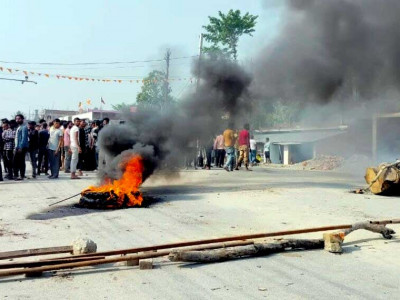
(328,48)
(163,138)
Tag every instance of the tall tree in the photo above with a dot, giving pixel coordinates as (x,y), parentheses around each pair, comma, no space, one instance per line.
(122,106)
(154,94)
(224,31)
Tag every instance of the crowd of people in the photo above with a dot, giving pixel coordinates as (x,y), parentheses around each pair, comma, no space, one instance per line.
(229,151)
(69,146)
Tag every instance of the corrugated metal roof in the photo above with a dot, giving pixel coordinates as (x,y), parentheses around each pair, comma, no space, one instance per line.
(296,137)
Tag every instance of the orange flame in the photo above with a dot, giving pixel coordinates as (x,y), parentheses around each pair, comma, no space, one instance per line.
(127,186)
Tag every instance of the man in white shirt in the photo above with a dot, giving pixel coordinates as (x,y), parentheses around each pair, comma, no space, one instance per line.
(219,147)
(55,144)
(253,149)
(74,147)
(267,147)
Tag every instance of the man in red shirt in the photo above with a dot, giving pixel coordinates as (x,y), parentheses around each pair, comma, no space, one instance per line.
(244,146)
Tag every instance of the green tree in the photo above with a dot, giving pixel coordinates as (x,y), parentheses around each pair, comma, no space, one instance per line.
(154,93)
(283,115)
(122,106)
(223,32)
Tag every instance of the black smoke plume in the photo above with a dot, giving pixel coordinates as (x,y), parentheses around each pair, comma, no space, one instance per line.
(329,48)
(162,138)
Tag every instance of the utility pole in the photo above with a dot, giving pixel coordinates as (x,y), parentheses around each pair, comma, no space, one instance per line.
(166,85)
(199,62)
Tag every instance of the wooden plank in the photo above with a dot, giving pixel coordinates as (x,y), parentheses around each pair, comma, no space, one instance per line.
(54,261)
(35,252)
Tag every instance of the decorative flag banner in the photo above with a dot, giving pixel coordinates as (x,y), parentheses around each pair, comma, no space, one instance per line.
(102,101)
(89,102)
(58,76)
(80,105)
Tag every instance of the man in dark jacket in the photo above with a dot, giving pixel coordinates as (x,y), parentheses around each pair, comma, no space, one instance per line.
(21,147)
(8,136)
(33,148)
(43,159)
(82,143)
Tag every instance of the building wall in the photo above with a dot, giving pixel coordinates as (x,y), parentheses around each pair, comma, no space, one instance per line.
(51,114)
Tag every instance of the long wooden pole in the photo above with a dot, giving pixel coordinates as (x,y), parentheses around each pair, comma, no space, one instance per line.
(100,261)
(215,243)
(232,238)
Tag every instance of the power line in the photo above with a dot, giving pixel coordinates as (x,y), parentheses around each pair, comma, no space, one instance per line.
(19,80)
(93,63)
(109,68)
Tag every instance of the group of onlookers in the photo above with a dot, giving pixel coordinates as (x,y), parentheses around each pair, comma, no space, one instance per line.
(229,150)
(59,145)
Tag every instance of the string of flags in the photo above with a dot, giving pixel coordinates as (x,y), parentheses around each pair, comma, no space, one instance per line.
(77,78)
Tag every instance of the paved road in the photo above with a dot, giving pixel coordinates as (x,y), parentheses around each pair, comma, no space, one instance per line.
(204,204)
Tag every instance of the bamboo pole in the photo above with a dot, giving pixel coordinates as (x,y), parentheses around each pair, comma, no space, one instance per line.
(54,261)
(94,262)
(201,245)
(54,203)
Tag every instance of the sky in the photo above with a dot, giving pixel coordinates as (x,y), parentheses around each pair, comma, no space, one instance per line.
(106,31)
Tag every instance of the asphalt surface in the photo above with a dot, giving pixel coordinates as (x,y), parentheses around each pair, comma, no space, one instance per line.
(203,204)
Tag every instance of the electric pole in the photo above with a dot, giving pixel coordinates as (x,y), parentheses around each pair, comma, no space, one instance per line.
(199,63)
(166,85)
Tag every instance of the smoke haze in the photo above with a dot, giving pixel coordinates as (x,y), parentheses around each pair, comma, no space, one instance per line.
(329,48)
(329,56)
(164,138)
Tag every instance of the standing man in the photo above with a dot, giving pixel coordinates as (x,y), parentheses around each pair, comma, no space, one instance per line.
(253,150)
(8,153)
(55,144)
(267,147)
(209,148)
(93,141)
(219,151)
(67,147)
(75,147)
(106,121)
(244,146)
(1,153)
(33,146)
(43,159)
(82,145)
(89,155)
(21,147)
(102,154)
(229,142)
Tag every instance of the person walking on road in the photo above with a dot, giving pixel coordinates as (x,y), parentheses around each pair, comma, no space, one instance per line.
(229,142)
(244,146)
